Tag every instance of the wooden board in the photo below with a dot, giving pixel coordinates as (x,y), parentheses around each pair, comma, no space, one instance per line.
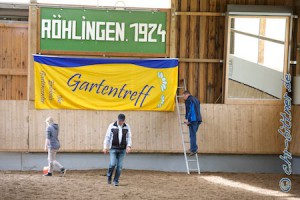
(32,48)
(13,125)
(203,53)
(193,43)
(206,80)
(234,129)
(240,90)
(85,130)
(13,61)
(295,147)
(183,42)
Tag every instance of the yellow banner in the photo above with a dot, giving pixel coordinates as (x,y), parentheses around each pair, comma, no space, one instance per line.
(105,84)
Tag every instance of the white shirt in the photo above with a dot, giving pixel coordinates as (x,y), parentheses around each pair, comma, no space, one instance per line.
(109,136)
(120,133)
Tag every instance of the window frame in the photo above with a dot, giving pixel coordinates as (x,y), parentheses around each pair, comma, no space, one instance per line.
(230,100)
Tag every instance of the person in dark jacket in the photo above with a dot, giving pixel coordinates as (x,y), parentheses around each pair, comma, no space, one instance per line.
(192,119)
(52,145)
(118,140)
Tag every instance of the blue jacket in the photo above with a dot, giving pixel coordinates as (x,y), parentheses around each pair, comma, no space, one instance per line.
(192,107)
(52,135)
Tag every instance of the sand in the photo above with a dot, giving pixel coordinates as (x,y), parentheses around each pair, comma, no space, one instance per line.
(144,185)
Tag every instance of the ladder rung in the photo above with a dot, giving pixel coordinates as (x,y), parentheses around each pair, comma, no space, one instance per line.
(186,141)
(184,132)
(194,169)
(192,160)
(181,87)
(179,96)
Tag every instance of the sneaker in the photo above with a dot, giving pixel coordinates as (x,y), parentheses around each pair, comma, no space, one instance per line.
(48,174)
(116,184)
(109,181)
(192,153)
(63,172)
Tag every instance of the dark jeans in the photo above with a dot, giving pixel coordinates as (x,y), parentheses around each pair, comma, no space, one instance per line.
(116,160)
(193,128)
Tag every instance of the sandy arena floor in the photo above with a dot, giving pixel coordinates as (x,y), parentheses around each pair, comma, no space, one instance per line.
(144,185)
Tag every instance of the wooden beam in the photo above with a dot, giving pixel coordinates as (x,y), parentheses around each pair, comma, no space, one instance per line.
(32,49)
(205,14)
(193,43)
(258,36)
(11,24)
(203,53)
(211,48)
(232,38)
(17,72)
(173,30)
(297,71)
(261,43)
(226,51)
(197,60)
(13,6)
(10,12)
(183,43)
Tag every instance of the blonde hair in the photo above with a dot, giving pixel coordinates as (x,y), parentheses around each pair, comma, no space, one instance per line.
(49,120)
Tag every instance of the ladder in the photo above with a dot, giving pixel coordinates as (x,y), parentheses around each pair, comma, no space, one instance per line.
(190,161)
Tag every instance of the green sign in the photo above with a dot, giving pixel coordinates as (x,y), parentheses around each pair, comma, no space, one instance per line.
(102,31)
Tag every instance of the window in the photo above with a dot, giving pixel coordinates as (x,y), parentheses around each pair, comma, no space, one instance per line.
(260,40)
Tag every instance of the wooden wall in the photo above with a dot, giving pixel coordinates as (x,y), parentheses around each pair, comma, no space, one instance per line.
(296,52)
(233,129)
(197,39)
(13,60)
(200,43)
(85,130)
(13,125)
(199,36)
(295,147)
(240,90)
(241,129)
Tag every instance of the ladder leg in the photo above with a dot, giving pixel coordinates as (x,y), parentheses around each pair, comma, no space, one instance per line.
(198,164)
(182,137)
(187,160)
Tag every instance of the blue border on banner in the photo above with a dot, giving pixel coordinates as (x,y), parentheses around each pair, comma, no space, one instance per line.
(80,62)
